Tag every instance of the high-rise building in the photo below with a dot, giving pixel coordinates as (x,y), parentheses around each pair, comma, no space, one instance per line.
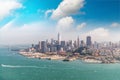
(39,44)
(53,49)
(59,39)
(63,43)
(95,45)
(88,41)
(119,44)
(43,47)
(75,44)
(78,42)
(52,41)
(82,44)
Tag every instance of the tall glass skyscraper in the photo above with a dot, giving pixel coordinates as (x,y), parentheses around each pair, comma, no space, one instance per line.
(88,41)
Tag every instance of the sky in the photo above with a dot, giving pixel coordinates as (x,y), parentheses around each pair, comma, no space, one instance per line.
(30,21)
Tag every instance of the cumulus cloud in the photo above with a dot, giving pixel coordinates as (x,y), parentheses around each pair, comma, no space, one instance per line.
(98,34)
(7,6)
(115,24)
(66,8)
(68,29)
(65,24)
(25,34)
(80,26)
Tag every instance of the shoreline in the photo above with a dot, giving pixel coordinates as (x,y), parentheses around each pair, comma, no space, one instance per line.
(87,59)
(41,56)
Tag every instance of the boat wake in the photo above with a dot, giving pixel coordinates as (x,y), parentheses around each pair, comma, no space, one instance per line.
(17,66)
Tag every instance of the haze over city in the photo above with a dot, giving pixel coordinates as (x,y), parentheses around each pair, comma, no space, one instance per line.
(28,21)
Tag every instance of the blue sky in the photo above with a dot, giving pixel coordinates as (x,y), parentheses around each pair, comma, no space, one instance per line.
(78,17)
(100,11)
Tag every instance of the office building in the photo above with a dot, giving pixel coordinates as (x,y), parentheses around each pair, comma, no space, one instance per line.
(59,39)
(88,41)
(43,47)
(78,42)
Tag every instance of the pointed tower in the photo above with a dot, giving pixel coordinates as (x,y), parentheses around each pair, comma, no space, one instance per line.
(59,39)
(78,42)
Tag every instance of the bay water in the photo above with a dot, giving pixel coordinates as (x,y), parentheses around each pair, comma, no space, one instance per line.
(16,67)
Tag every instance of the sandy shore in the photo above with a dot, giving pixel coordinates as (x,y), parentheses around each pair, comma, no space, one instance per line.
(92,61)
(42,56)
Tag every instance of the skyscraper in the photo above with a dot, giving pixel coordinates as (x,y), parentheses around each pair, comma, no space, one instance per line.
(63,43)
(39,45)
(59,39)
(78,42)
(88,41)
(43,47)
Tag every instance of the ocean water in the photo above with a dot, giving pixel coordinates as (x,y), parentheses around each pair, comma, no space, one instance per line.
(16,67)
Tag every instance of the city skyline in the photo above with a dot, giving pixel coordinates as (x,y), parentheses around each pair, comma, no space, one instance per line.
(27,21)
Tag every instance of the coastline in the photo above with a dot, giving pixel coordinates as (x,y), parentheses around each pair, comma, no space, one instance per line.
(41,56)
(47,56)
(87,59)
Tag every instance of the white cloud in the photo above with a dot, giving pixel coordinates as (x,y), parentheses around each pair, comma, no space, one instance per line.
(66,8)
(115,24)
(65,24)
(67,28)
(80,26)
(115,36)
(98,34)
(7,6)
(28,33)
